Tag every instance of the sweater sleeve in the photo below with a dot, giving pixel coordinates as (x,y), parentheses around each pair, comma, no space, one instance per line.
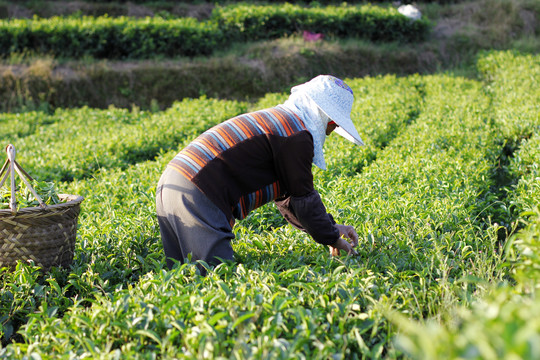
(308,214)
(303,206)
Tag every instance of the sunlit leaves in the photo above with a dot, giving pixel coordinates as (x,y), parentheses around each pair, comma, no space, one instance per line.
(420,195)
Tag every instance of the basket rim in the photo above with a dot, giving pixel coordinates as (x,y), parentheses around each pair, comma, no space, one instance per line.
(75,200)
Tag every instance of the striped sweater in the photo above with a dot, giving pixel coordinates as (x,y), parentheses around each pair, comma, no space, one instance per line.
(252,159)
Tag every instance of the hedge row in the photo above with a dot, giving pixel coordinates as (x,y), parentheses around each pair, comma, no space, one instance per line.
(148,83)
(373,22)
(122,132)
(125,137)
(123,37)
(481,331)
(514,83)
(141,135)
(525,165)
(518,117)
(114,38)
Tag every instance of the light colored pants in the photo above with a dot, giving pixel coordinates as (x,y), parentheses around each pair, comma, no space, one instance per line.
(190,223)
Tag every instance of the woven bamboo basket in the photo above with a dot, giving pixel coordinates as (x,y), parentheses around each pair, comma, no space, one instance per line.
(45,234)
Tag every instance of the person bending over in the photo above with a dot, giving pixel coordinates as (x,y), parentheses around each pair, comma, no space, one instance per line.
(250,160)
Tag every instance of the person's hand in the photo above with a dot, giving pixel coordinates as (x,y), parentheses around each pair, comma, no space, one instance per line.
(345,231)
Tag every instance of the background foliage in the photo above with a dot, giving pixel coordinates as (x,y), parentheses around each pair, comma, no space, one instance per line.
(246,69)
(124,37)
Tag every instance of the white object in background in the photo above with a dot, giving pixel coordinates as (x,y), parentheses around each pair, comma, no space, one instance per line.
(410,11)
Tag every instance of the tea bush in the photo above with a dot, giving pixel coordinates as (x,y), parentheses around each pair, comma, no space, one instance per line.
(124,37)
(428,251)
(248,22)
(113,38)
(516,102)
(512,80)
(76,143)
(525,167)
(501,324)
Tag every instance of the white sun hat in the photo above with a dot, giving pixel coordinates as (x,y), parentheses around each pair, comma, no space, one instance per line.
(335,99)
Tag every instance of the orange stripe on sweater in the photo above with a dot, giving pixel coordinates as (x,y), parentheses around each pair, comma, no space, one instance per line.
(181,170)
(262,121)
(208,144)
(247,131)
(230,141)
(281,118)
(195,157)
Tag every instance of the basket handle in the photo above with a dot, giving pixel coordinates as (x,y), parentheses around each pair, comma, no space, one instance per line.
(10,167)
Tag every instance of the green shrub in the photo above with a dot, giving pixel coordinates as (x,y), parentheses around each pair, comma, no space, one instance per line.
(115,38)
(500,324)
(247,22)
(123,37)
(524,166)
(124,137)
(513,81)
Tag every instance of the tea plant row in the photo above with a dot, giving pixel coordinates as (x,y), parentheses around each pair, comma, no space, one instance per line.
(285,290)
(482,331)
(517,115)
(48,155)
(77,143)
(45,142)
(124,37)
(421,196)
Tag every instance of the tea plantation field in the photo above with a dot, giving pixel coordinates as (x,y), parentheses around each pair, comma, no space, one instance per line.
(444,198)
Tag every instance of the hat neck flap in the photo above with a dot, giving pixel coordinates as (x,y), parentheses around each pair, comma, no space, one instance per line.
(314,120)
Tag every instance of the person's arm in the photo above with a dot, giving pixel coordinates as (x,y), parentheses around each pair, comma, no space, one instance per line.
(303,208)
(307,213)
(345,231)
(285,210)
